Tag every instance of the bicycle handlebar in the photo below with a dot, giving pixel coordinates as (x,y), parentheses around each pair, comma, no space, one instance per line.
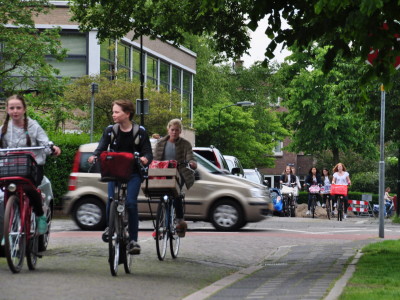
(50,146)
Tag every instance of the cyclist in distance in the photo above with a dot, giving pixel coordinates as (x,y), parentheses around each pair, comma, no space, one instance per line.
(287,177)
(298,185)
(123,140)
(313,178)
(19,130)
(341,176)
(175,147)
(326,181)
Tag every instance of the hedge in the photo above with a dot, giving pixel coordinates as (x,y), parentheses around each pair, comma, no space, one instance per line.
(57,169)
(303,197)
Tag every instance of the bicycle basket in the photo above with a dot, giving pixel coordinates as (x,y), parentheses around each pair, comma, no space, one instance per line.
(162,164)
(21,165)
(116,166)
(287,190)
(339,189)
(326,189)
(314,189)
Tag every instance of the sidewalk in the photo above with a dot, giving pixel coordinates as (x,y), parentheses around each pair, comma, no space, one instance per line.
(303,272)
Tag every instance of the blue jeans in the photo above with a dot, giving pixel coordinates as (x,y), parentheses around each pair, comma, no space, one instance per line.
(131,204)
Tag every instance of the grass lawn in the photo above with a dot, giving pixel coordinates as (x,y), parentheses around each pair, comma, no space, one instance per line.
(377,274)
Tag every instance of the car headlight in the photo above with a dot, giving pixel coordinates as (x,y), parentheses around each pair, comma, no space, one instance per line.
(257,193)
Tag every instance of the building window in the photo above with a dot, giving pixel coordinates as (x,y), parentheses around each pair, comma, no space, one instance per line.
(176,79)
(164,75)
(75,64)
(152,70)
(278,149)
(123,61)
(107,58)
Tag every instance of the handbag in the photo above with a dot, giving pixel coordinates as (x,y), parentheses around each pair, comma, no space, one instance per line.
(116,166)
(339,189)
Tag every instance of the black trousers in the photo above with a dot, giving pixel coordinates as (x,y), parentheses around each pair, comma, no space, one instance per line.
(34,197)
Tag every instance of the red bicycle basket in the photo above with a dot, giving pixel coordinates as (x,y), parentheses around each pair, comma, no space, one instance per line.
(339,189)
(116,166)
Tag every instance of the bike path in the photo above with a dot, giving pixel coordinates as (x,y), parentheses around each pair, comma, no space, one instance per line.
(300,272)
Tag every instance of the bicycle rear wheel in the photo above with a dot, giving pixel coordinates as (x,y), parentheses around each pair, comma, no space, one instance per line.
(32,248)
(113,240)
(14,235)
(161,230)
(124,248)
(328,207)
(174,239)
(313,204)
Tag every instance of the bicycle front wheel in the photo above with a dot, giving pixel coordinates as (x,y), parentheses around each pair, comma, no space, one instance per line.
(340,209)
(124,247)
(328,208)
(174,239)
(14,235)
(161,230)
(113,240)
(32,248)
(313,205)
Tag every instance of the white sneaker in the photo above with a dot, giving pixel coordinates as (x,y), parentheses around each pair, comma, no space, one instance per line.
(334,205)
(344,216)
(308,213)
(318,203)
(323,205)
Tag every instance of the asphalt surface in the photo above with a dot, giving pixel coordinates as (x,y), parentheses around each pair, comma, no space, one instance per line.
(279,258)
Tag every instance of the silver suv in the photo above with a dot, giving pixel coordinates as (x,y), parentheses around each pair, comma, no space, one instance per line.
(227,201)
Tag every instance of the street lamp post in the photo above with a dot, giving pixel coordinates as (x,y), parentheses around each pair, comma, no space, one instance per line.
(240,103)
(94,87)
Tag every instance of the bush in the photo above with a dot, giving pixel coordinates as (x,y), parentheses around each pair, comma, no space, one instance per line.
(367,182)
(57,169)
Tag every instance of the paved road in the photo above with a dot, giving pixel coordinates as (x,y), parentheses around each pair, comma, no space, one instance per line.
(284,258)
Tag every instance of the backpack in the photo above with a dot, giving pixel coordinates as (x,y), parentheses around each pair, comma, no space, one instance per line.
(136,136)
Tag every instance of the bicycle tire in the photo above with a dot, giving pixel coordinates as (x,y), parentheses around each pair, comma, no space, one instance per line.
(32,248)
(285,206)
(174,239)
(328,207)
(292,208)
(113,240)
(15,240)
(161,230)
(313,206)
(340,209)
(127,259)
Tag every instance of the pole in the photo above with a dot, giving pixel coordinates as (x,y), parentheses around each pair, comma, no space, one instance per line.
(141,83)
(382,167)
(92,113)
(398,184)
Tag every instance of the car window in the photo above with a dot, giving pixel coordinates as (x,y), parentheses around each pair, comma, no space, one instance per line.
(207,155)
(253,177)
(84,165)
(230,164)
(207,164)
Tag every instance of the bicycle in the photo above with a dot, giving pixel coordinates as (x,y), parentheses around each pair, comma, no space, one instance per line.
(325,190)
(289,206)
(118,235)
(167,191)
(340,192)
(19,174)
(314,191)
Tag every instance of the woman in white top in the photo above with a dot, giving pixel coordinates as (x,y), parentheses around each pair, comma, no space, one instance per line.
(341,176)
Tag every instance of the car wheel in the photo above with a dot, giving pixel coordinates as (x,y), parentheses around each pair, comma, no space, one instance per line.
(90,214)
(44,238)
(227,215)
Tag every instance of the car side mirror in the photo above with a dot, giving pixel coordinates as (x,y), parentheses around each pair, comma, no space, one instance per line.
(235,171)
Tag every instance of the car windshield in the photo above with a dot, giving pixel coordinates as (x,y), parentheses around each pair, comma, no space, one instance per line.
(207,164)
(230,164)
(253,177)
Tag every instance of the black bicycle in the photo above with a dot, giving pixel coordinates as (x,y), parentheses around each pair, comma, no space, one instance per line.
(340,207)
(289,205)
(314,191)
(166,191)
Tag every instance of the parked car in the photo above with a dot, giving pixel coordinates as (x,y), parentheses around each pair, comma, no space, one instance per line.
(255,176)
(213,155)
(235,166)
(48,206)
(227,201)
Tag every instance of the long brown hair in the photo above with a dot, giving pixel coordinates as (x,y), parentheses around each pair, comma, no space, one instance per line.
(5,124)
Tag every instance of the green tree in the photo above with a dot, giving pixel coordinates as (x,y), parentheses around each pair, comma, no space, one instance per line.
(350,28)
(164,106)
(325,110)
(23,48)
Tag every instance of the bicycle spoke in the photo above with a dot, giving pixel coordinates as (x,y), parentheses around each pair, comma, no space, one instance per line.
(161,230)
(174,239)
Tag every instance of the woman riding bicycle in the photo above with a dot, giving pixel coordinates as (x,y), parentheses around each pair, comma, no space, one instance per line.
(326,182)
(340,176)
(313,178)
(175,147)
(19,130)
(123,140)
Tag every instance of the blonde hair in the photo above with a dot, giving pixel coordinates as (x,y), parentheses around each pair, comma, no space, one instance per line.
(175,122)
(335,169)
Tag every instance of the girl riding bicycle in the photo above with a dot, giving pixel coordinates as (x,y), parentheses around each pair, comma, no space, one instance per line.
(326,182)
(340,176)
(19,130)
(313,178)
(123,140)
(175,147)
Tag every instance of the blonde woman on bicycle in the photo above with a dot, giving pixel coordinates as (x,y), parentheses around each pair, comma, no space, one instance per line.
(341,176)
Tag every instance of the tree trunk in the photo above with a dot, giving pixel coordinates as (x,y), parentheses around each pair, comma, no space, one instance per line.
(335,153)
